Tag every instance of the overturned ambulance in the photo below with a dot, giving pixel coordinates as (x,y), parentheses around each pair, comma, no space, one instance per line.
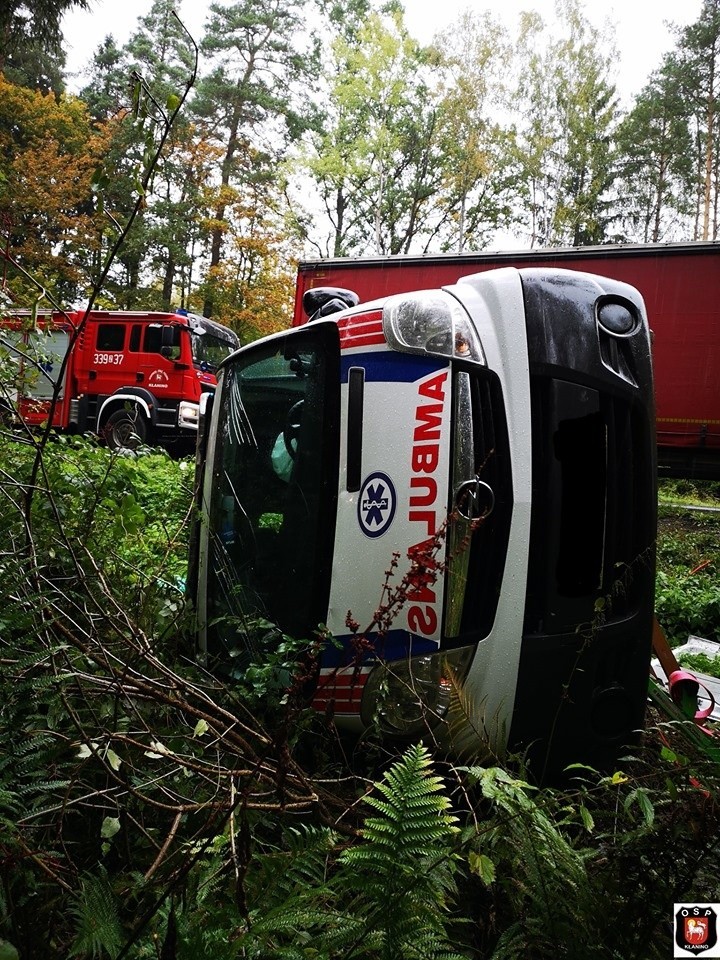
(459,484)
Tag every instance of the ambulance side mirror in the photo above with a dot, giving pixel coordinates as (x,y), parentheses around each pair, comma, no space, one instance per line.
(322,301)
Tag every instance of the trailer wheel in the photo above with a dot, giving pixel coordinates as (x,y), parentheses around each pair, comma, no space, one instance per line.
(125,429)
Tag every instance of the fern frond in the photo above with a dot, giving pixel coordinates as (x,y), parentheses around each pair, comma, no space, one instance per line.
(96,917)
(400,877)
(301,863)
(414,807)
(42,786)
(554,870)
(26,746)
(467,725)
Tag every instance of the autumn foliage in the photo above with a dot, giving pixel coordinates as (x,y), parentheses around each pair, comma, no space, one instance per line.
(49,152)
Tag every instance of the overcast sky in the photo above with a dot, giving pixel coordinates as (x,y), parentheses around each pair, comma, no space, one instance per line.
(642,36)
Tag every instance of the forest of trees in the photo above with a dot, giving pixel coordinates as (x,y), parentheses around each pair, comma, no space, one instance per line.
(324,129)
(152,810)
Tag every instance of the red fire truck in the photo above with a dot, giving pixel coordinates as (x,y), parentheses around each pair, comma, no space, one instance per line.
(489,443)
(131,377)
(680,284)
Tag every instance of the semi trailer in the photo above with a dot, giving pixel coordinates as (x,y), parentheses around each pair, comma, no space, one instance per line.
(679,282)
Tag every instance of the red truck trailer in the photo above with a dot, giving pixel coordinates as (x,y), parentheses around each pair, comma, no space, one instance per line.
(131,377)
(680,284)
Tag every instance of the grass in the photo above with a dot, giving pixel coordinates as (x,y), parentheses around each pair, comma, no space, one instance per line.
(688,586)
(689,492)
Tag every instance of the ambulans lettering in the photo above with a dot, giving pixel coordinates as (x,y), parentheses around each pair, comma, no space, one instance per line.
(423,620)
(425,506)
(429,416)
(434,389)
(425,456)
(423,574)
(429,495)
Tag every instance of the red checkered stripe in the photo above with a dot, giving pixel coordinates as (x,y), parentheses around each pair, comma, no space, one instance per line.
(364,330)
(341,688)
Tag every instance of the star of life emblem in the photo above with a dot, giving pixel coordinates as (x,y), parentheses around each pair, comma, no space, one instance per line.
(376,504)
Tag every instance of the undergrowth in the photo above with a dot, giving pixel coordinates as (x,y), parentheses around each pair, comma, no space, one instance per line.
(149,811)
(687,582)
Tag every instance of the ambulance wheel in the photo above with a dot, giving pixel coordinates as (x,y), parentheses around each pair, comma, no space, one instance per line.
(125,430)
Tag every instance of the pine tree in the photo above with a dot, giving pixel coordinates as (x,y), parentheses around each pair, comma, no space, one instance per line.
(255,98)
(655,185)
(695,66)
(31,47)
(157,60)
(565,140)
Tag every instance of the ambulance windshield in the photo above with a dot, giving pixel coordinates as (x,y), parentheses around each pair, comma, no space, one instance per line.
(274,492)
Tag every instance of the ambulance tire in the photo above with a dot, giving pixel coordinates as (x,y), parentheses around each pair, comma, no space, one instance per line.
(126,429)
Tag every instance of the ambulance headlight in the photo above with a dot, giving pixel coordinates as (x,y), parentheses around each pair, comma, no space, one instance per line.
(407,697)
(431,322)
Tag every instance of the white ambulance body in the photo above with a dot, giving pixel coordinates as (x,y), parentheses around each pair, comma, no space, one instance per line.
(458,484)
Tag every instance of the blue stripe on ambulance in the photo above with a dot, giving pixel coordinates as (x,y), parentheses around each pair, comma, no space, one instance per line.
(390,367)
(395,645)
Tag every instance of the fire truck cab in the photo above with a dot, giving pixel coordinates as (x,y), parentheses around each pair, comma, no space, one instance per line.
(131,377)
(459,484)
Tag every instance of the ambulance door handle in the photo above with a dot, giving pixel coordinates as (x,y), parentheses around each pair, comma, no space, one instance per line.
(474,499)
(353,459)
(139,377)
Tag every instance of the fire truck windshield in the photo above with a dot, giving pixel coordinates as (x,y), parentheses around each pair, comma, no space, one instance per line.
(209,349)
(273,493)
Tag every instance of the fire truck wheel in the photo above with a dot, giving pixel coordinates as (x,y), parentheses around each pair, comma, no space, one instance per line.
(125,430)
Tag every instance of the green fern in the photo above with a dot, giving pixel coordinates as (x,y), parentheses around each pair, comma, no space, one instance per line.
(387,898)
(40,788)
(401,877)
(467,725)
(520,830)
(414,815)
(285,890)
(99,933)
(301,862)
